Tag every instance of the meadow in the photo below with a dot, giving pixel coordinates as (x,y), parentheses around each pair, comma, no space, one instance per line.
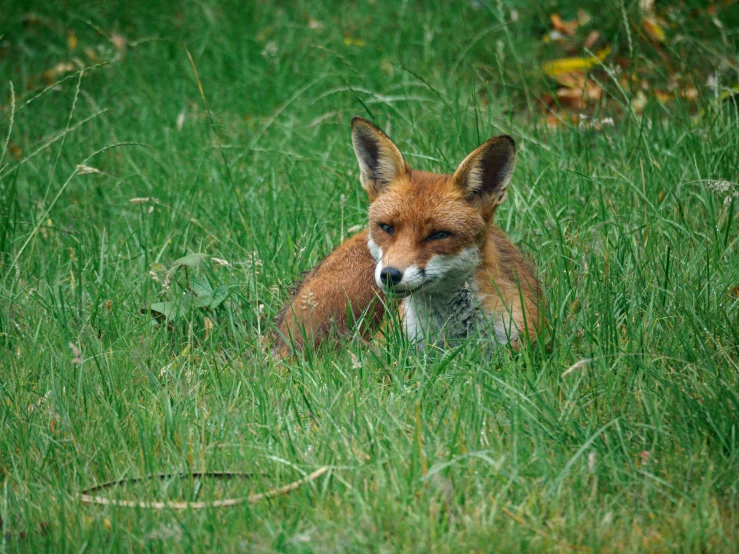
(167,170)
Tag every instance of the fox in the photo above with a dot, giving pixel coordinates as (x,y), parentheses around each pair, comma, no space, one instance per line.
(431,249)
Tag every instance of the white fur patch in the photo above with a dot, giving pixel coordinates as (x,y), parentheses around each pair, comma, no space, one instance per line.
(375,250)
(444,272)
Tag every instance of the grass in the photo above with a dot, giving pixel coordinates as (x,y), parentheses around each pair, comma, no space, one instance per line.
(617,433)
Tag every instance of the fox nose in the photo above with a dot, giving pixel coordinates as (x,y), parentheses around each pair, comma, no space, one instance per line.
(390,276)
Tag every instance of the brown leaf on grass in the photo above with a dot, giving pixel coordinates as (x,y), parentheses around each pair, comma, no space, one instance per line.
(639,102)
(576,91)
(71,40)
(208,327)
(568,28)
(578,98)
(15,150)
(688,93)
(583,17)
(51,75)
(653,29)
(591,39)
(573,79)
(76,353)
(90,53)
(735,291)
(119,41)
(662,96)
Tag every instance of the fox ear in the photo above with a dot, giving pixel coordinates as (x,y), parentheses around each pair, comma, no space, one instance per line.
(484,174)
(380,161)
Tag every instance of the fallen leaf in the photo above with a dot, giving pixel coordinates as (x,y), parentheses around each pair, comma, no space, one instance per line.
(90,53)
(76,353)
(591,39)
(568,28)
(689,93)
(653,29)
(118,41)
(639,102)
(574,79)
(106,523)
(578,98)
(208,326)
(15,150)
(583,17)
(568,65)
(662,96)
(71,40)
(50,75)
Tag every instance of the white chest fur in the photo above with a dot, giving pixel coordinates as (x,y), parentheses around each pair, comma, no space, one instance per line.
(448,318)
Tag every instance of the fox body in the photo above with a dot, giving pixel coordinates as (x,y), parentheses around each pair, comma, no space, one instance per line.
(431,245)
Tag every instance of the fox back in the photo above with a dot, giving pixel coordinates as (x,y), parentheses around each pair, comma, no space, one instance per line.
(432,245)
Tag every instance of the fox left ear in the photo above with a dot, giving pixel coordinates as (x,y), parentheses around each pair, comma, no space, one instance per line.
(484,174)
(380,161)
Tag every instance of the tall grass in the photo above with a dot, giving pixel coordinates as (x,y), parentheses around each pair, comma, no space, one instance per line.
(616,433)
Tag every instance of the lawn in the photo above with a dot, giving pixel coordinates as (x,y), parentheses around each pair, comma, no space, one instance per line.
(169,169)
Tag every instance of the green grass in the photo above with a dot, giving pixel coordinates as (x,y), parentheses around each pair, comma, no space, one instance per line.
(633,450)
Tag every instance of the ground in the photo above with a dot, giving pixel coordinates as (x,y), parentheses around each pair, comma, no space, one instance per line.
(169,169)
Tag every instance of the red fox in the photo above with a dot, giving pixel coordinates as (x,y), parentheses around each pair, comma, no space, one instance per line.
(432,245)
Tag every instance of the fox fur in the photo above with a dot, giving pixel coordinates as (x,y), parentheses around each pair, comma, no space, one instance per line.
(431,248)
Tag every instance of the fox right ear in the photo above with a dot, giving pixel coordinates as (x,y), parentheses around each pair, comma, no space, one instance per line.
(380,161)
(484,175)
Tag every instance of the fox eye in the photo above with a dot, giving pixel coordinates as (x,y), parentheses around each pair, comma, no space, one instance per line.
(439,235)
(387,228)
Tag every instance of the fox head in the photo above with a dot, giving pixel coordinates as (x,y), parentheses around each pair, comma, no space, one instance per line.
(426,231)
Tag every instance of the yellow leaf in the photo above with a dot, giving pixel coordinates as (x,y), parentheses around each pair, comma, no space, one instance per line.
(71,40)
(107,524)
(568,65)
(653,29)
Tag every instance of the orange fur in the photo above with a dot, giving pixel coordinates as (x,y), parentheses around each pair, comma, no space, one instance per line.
(332,297)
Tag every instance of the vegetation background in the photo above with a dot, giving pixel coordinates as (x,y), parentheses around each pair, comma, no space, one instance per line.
(149,231)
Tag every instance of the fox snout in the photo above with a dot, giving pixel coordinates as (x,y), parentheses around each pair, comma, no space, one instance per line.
(400,280)
(390,276)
